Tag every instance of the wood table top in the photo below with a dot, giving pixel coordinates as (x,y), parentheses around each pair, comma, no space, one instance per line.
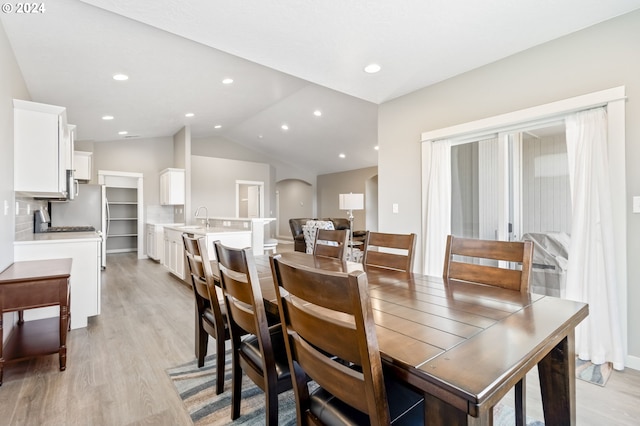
(36,269)
(465,339)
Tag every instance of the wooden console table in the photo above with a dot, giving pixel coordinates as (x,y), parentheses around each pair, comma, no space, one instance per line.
(35,284)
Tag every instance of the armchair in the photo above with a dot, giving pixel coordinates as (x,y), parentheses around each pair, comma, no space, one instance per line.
(338,223)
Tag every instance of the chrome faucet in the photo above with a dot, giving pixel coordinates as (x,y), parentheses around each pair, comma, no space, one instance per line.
(206,212)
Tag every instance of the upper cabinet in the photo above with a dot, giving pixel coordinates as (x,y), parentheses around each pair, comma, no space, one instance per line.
(172,187)
(82,163)
(43,149)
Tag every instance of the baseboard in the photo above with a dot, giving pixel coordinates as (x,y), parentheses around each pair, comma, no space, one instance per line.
(633,362)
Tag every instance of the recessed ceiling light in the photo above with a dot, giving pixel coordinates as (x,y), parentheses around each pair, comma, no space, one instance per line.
(372,68)
(189,114)
(284,127)
(121,77)
(342,156)
(317,113)
(107,117)
(227,81)
(260,136)
(375,147)
(124,132)
(217,126)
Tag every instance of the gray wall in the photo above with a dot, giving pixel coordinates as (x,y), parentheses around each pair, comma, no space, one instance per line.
(146,156)
(11,86)
(213,184)
(296,199)
(224,148)
(597,58)
(330,186)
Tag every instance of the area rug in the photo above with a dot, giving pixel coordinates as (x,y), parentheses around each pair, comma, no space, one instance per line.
(196,388)
(592,373)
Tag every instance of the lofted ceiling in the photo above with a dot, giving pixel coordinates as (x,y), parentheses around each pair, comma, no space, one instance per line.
(287,59)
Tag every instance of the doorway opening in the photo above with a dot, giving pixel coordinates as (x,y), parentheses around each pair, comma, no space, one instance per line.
(249,199)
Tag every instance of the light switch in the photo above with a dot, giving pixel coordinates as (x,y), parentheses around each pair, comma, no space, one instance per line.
(636,204)
(6,207)
(395,207)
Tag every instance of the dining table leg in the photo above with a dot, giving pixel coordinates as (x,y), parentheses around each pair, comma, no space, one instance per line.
(557,372)
(438,412)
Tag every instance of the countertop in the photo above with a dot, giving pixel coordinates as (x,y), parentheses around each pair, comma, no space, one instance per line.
(56,237)
(201,230)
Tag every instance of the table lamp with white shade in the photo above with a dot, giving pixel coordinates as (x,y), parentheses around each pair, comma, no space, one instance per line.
(351,202)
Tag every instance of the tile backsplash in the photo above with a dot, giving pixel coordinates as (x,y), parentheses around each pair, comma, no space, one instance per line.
(24,215)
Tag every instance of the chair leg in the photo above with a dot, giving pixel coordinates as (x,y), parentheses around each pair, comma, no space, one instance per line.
(521,402)
(271,407)
(202,341)
(236,386)
(220,355)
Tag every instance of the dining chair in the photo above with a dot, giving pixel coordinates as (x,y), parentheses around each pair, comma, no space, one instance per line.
(392,251)
(261,354)
(331,243)
(331,338)
(475,260)
(211,318)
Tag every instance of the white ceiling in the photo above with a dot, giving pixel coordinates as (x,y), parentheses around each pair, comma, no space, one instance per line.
(287,58)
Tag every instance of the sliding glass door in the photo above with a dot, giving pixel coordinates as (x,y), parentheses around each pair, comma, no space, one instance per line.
(512,184)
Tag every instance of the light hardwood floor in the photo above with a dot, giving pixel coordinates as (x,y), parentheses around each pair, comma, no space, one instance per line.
(116,366)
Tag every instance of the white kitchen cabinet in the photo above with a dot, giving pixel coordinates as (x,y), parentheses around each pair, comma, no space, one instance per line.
(85,273)
(155,242)
(152,251)
(42,149)
(172,187)
(173,258)
(82,162)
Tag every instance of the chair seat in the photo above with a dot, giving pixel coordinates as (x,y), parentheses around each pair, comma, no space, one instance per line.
(251,349)
(209,317)
(406,407)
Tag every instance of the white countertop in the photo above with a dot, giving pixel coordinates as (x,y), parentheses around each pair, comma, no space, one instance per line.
(56,237)
(201,230)
(164,223)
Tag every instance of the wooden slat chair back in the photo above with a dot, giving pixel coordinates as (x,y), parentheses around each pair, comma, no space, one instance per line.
(511,251)
(467,250)
(331,338)
(331,243)
(210,315)
(375,254)
(261,354)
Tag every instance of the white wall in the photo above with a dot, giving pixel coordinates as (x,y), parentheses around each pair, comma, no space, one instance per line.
(597,58)
(12,86)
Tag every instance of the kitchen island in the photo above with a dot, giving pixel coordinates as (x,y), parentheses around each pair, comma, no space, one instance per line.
(174,256)
(85,282)
(254,224)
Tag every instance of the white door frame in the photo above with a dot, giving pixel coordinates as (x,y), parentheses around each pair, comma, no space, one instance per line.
(249,182)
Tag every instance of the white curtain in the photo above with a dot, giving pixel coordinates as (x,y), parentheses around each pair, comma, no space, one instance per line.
(591,274)
(438,205)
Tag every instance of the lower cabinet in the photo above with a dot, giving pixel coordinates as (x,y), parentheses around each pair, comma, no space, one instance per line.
(154,242)
(85,275)
(173,258)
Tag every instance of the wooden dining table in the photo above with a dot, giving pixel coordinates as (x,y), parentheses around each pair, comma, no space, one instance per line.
(464,345)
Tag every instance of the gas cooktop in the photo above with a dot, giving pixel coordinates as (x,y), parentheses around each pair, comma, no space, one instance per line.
(70,229)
